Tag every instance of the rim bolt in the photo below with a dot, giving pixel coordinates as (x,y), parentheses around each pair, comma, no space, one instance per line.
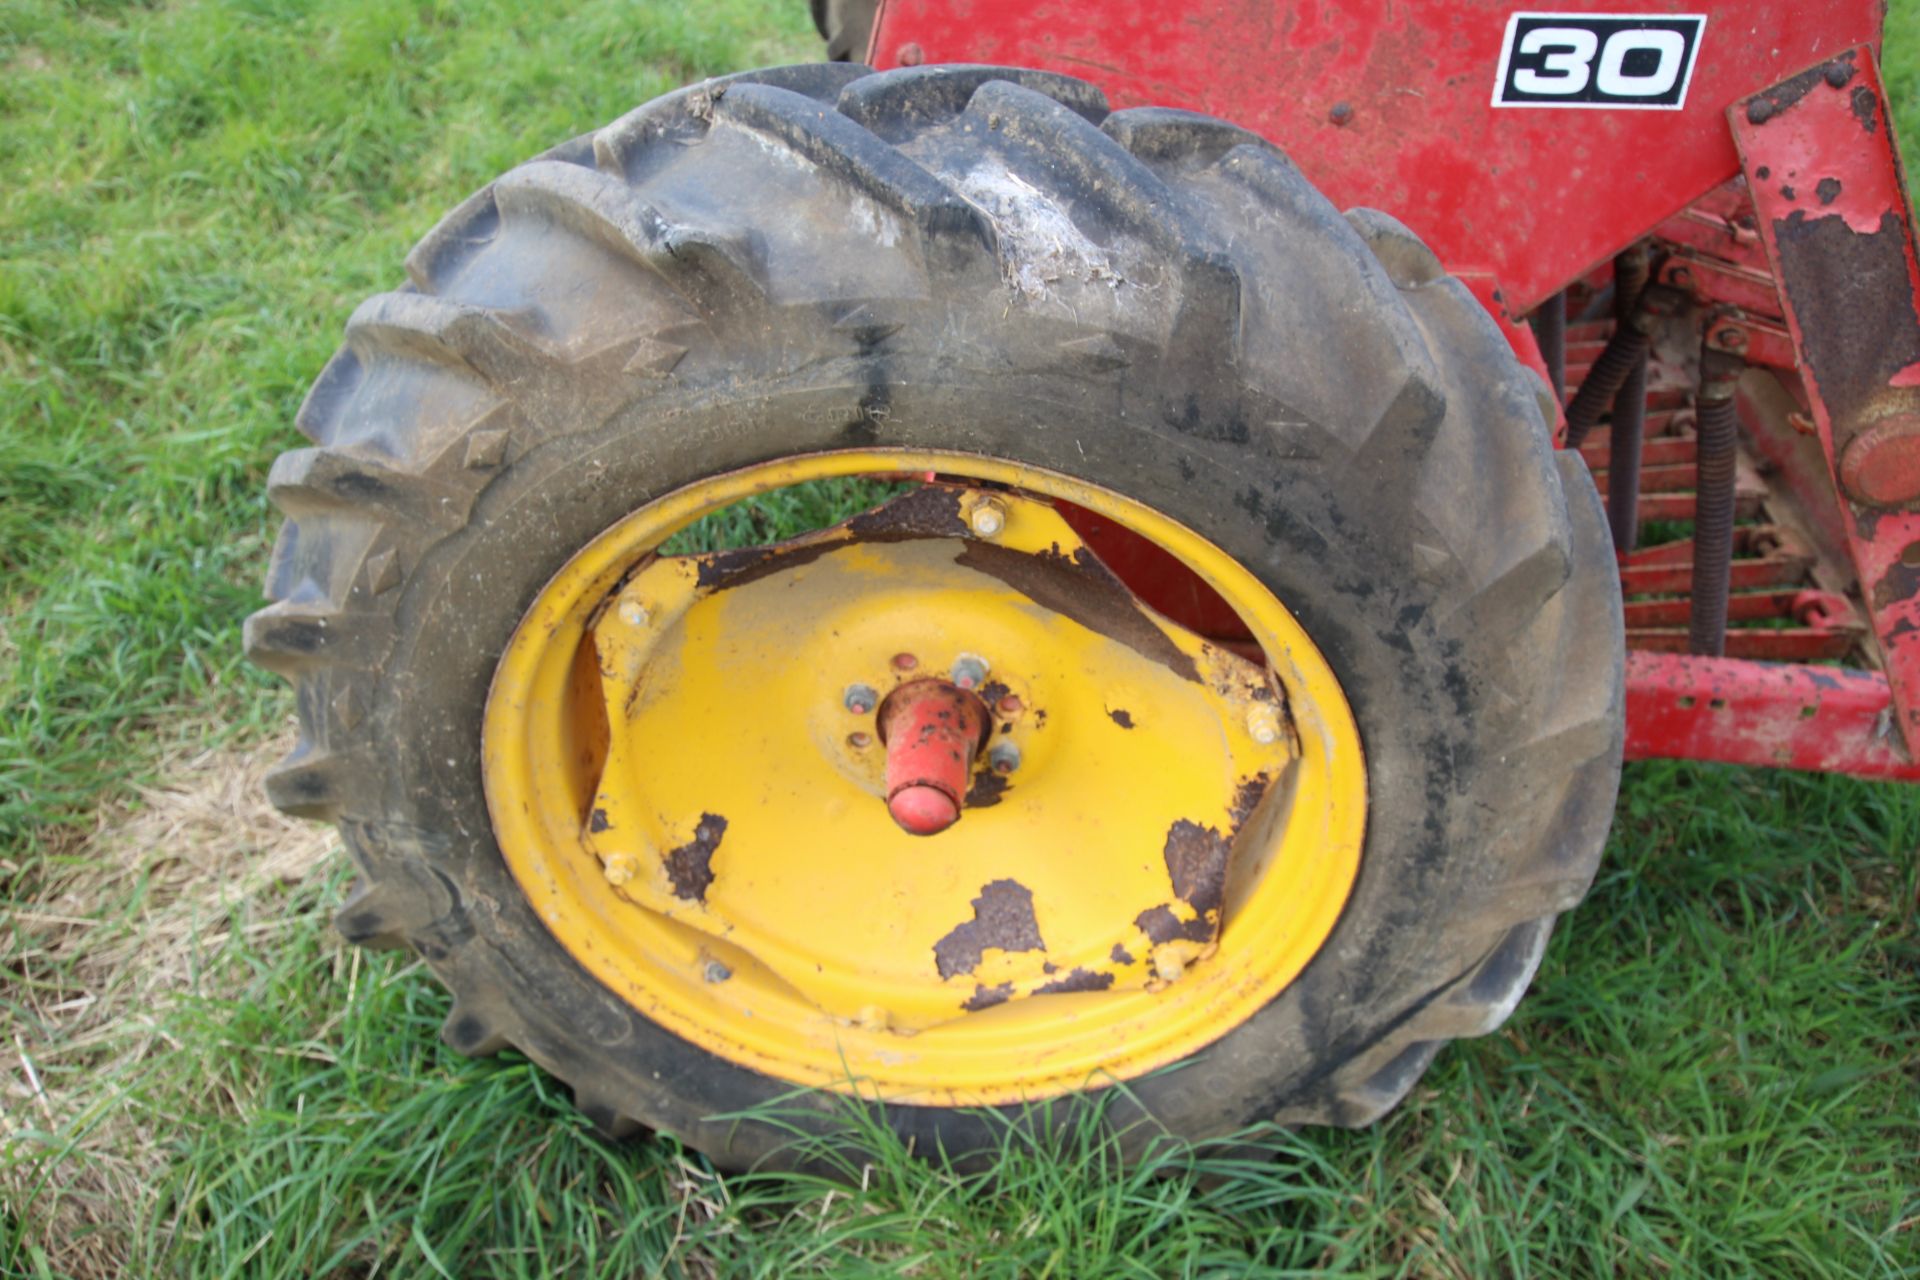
(716,972)
(1011,705)
(1263,725)
(1004,758)
(905,662)
(989,517)
(860,699)
(633,613)
(969,670)
(619,868)
(859,741)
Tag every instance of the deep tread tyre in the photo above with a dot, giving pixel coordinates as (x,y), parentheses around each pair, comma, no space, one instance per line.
(816,257)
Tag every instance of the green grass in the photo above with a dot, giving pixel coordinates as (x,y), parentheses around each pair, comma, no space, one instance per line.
(1718,1071)
(1714,1075)
(196,197)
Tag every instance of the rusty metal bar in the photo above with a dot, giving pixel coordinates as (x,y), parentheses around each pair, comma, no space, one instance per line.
(1765,644)
(1624,351)
(1550,331)
(1685,506)
(1630,271)
(1677,477)
(1713,517)
(1657,451)
(1743,606)
(1747,575)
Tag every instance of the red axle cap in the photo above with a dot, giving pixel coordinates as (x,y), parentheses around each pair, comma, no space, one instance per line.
(933,731)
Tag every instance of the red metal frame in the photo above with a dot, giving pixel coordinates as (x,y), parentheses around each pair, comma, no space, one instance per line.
(1762,713)
(1810,267)
(1826,180)
(1528,198)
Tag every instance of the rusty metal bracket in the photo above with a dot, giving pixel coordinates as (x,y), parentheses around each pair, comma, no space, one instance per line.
(1712,281)
(1755,340)
(1820,160)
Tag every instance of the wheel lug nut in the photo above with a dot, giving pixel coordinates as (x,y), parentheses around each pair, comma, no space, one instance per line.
(989,518)
(969,670)
(619,868)
(905,662)
(860,699)
(716,972)
(1004,758)
(1263,725)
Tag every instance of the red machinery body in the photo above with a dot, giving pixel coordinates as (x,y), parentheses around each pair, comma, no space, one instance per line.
(1758,153)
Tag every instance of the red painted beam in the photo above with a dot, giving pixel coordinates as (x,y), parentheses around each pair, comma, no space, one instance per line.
(1791,644)
(1661,477)
(1742,606)
(1658,451)
(1827,719)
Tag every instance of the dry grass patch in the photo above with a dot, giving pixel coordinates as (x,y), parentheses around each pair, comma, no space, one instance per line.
(120,924)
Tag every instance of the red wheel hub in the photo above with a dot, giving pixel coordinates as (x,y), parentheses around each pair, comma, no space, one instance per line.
(933,729)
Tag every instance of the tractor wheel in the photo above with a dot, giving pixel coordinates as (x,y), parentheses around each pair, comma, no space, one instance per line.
(680,825)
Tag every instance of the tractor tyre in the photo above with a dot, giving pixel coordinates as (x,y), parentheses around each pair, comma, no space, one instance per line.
(986,279)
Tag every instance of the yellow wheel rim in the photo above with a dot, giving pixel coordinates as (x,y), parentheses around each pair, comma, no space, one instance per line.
(675,773)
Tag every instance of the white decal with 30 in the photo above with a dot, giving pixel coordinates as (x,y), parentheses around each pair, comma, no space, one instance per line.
(1640,61)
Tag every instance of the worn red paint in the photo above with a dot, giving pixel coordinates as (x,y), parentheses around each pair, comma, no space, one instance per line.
(1791,717)
(1720,224)
(1834,218)
(1882,464)
(933,731)
(1714,282)
(1530,198)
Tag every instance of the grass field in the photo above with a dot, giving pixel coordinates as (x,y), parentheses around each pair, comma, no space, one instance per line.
(1718,1071)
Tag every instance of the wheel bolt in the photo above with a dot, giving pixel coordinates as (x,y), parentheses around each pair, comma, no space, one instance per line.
(905,662)
(860,699)
(1011,705)
(989,518)
(619,868)
(1263,725)
(969,670)
(633,613)
(1004,758)
(859,741)
(716,972)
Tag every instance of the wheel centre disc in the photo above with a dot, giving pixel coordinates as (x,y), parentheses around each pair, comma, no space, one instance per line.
(690,773)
